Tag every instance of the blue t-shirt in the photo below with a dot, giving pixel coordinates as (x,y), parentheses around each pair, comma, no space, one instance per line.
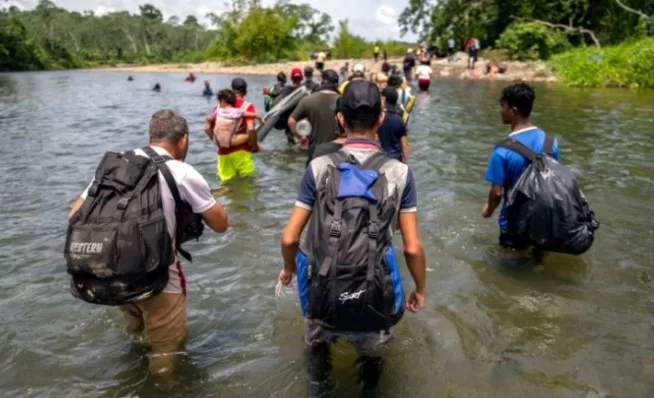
(390,133)
(506,166)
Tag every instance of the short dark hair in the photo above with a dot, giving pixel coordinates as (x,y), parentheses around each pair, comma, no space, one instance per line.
(520,96)
(361,105)
(167,125)
(395,81)
(239,85)
(281,77)
(227,95)
(386,67)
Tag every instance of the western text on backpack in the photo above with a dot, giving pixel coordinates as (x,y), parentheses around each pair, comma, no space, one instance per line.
(118,248)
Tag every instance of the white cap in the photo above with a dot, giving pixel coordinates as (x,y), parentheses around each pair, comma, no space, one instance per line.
(359,68)
(409,50)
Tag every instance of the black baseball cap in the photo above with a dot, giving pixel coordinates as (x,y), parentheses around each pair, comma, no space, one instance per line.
(239,84)
(390,93)
(394,81)
(361,100)
(330,76)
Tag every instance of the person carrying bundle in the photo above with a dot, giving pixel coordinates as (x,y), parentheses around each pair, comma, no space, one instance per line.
(231,126)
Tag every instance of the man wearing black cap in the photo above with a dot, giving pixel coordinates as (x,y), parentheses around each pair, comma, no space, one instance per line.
(237,159)
(308,80)
(392,132)
(318,109)
(360,114)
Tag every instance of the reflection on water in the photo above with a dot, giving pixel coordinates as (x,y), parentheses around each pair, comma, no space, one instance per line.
(496,323)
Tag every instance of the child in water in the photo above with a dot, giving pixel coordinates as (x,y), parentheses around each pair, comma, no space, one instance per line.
(226,121)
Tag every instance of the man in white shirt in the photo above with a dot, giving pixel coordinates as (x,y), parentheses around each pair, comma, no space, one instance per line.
(163,317)
(423,75)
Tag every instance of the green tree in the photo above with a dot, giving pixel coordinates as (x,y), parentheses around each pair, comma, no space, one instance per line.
(348,45)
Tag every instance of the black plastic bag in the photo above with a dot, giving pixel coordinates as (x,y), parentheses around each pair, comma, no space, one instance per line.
(546,208)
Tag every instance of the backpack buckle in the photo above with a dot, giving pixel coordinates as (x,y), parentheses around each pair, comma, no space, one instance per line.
(335,229)
(373,231)
(122,203)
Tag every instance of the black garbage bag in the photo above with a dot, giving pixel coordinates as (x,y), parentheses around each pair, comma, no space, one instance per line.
(546,208)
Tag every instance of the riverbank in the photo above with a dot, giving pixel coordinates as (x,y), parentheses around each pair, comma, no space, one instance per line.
(454,67)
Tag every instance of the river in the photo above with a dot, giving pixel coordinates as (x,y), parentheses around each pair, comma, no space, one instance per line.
(572,327)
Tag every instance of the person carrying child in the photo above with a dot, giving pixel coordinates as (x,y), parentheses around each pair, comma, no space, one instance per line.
(231,127)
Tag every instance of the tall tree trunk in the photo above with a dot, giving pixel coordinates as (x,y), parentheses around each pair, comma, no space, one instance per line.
(146,45)
(131,40)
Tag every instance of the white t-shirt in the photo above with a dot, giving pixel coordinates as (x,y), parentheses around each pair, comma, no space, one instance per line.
(194,190)
(321,56)
(423,72)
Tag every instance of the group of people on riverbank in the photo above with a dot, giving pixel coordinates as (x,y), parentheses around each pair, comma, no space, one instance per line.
(126,229)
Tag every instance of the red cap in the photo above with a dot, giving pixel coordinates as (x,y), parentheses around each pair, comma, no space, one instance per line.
(296,73)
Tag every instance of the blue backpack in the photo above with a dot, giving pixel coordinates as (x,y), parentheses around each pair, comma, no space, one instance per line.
(348,276)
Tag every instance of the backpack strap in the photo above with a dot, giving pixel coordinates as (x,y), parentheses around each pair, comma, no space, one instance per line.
(373,234)
(240,125)
(519,148)
(548,146)
(341,156)
(160,162)
(334,235)
(124,201)
(375,161)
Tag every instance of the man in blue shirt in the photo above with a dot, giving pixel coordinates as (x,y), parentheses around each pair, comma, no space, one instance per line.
(506,166)
(392,132)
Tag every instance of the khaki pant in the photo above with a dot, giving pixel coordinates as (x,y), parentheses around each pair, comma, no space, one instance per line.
(162,318)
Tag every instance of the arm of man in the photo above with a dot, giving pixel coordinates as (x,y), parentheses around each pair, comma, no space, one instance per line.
(76,206)
(404,142)
(414,252)
(252,132)
(291,240)
(299,218)
(494,175)
(194,190)
(208,127)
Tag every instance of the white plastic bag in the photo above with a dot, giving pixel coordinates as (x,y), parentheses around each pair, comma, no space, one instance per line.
(288,301)
(304,128)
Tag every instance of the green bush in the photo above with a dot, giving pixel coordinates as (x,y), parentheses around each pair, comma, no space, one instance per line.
(531,41)
(625,65)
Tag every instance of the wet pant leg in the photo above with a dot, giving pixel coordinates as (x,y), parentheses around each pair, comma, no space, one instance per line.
(163,318)
(370,350)
(319,362)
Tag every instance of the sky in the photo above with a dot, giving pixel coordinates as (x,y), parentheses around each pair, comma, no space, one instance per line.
(372,19)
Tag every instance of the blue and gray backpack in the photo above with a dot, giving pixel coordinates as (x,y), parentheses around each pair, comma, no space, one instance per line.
(348,276)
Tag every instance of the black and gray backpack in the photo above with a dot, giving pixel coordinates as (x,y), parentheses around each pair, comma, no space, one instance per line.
(546,208)
(118,248)
(349,279)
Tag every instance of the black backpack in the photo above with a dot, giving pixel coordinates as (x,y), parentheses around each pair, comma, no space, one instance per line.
(118,249)
(546,208)
(351,281)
